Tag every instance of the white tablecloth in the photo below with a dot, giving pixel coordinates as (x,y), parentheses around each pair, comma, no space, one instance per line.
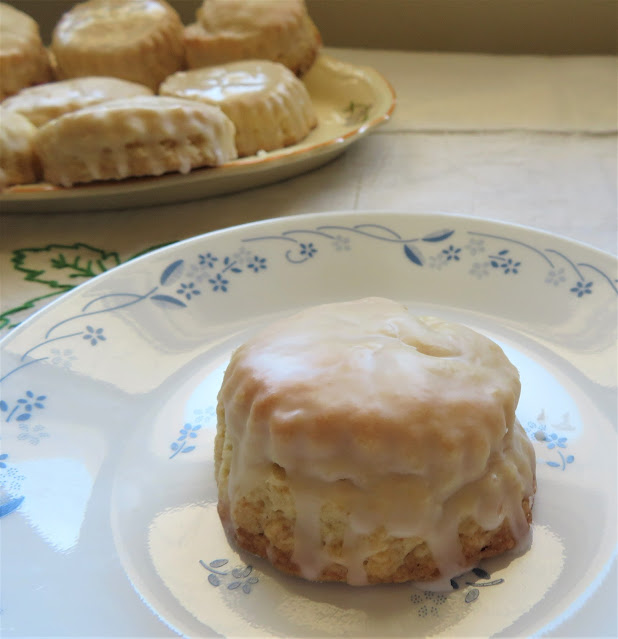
(523,139)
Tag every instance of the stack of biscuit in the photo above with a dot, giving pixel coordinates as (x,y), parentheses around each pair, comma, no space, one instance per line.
(126,90)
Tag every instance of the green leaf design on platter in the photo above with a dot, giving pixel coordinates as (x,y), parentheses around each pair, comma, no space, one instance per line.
(63,266)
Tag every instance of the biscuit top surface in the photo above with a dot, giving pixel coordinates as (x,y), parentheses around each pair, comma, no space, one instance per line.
(99,23)
(17,30)
(249,16)
(225,82)
(44,102)
(361,388)
(92,89)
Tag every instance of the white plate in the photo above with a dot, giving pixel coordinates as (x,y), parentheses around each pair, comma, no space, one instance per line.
(349,101)
(108,511)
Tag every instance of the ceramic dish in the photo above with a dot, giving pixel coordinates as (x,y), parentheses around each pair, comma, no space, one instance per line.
(349,101)
(109,523)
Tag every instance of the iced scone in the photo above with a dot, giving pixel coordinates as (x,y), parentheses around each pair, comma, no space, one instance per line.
(359,443)
(228,30)
(145,135)
(18,161)
(136,40)
(23,59)
(269,106)
(45,102)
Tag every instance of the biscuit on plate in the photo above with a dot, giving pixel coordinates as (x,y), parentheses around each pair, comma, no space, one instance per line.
(359,443)
(45,102)
(18,161)
(277,30)
(136,40)
(23,59)
(148,135)
(269,106)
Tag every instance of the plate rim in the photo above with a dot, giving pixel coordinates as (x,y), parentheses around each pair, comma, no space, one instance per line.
(344,213)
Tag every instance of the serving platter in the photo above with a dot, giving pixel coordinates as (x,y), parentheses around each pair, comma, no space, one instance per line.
(108,395)
(349,100)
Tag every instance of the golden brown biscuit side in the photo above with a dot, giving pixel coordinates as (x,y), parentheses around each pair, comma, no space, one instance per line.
(23,59)
(264,523)
(18,161)
(280,30)
(139,41)
(148,135)
(269,106)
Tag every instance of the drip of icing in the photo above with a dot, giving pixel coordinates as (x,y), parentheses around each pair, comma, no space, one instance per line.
(406,424)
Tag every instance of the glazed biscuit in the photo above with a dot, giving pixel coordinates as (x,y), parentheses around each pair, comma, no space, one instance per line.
(148,135)
(23,59)
(135,40)
(359,443)
(229,30)
(269,106)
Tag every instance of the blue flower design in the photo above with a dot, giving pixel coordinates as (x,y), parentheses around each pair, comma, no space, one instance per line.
(451,253)
(94,335)
(187,432)
(203,415)
(507,264)
(3,459)
(308,250)
(510,266)
(219,283)
(555,277)
(242,256)
(475,245)
(32,435)
(63,358)
(238,578)
(208,259)
(430,602)
(479,269)
(30,401)
(437,261)
(188,290)
(553,442)
(257,264)
(341,243)
(582,288)
(24,407)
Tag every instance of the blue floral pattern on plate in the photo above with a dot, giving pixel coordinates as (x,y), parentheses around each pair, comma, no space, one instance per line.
(189,278)
(178,303)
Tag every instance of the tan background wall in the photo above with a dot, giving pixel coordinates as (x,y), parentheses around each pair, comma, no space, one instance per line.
(494,26)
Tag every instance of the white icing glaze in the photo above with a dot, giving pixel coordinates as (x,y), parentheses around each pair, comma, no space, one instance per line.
(117,126)
(107,22)
(224,82)
(405,423)
(269,105)
(51,100)
(249,16)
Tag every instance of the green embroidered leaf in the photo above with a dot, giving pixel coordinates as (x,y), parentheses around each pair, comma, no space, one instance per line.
(63,266)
